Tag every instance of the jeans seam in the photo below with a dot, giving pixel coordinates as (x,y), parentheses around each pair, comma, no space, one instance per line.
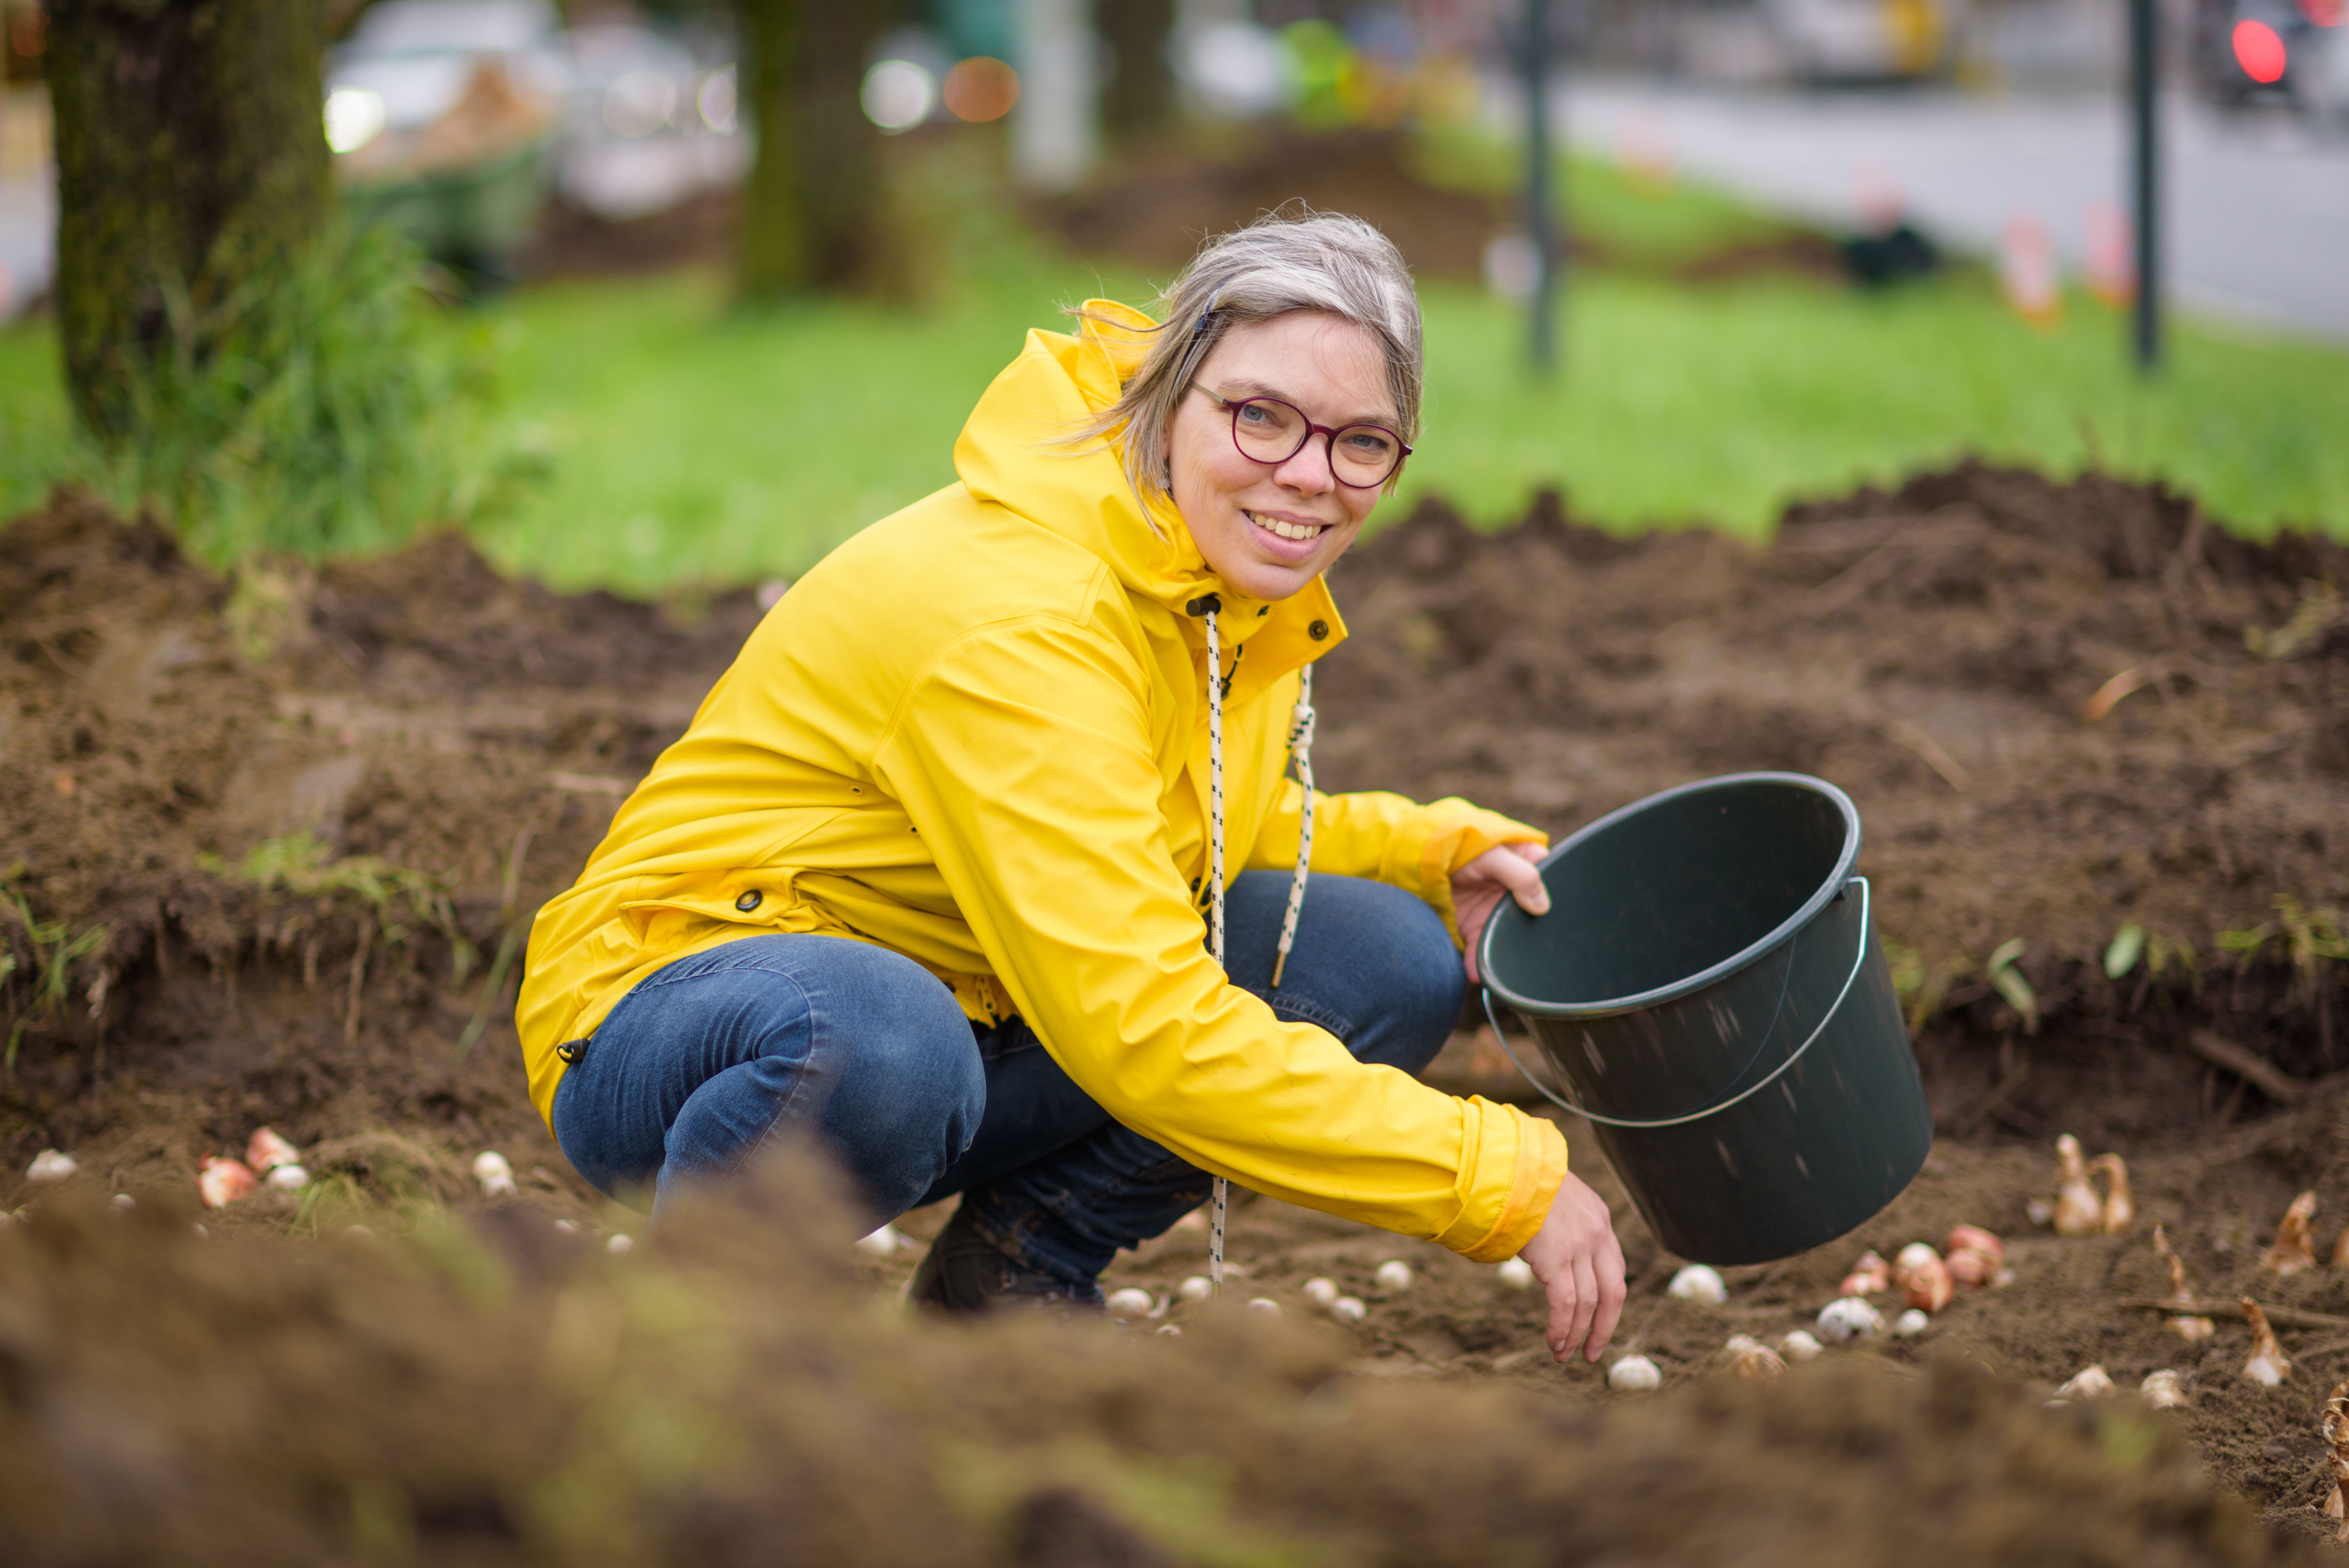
(1313,1013)
(752,1149)
(664,975)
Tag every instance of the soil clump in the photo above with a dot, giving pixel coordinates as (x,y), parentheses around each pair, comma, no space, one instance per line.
(271,847)
(1153,205)
(728,1394)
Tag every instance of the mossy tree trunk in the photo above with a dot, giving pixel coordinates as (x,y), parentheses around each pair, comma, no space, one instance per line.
(191,156)
(812,207)
(1138,99)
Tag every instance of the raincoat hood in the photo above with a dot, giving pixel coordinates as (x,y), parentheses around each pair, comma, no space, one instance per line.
(1011,453)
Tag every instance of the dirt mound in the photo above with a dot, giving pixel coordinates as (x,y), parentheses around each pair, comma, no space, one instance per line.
(270,850)
(273,846)
(1933,651)
(572,243)
(729,1395)
(1154,206)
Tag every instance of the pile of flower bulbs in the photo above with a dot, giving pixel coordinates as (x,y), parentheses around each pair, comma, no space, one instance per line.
(1749,1357)
(1926,1281)
(269,1162)
(1134,1304)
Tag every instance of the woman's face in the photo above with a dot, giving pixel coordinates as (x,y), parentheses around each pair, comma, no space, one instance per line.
(1268,528)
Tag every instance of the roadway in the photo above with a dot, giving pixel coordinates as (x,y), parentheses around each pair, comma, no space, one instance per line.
(2257,220)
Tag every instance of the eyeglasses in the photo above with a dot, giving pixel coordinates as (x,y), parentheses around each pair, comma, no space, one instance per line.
(1269,431)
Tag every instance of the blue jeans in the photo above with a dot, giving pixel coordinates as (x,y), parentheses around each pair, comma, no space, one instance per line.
(705,1060)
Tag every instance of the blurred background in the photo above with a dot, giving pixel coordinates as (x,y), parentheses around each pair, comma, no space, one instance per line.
(700,288)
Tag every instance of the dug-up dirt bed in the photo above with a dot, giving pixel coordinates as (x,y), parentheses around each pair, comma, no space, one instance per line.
(268,849)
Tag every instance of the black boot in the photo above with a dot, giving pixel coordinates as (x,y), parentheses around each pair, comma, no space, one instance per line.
(966,1273)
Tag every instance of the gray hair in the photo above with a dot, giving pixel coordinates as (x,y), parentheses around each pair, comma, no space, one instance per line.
(1310,261)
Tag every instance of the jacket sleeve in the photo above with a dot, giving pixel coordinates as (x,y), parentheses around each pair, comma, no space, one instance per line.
(1374,834)
(1021,755)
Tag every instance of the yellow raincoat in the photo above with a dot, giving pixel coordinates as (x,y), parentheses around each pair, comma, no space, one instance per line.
(976,735)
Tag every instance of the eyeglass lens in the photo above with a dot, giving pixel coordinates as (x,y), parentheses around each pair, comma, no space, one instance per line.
(1269,431)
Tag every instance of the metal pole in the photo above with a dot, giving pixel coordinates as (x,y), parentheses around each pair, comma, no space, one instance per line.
(2145,71)
(1540,220)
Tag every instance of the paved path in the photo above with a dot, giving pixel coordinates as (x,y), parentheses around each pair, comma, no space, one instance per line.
(28,242)
(2258,221)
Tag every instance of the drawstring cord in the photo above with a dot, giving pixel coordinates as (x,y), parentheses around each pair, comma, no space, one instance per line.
(1300,746)
(1220,1203)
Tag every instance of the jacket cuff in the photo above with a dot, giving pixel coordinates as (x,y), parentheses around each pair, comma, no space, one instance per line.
(1533,1152)
(1439,839)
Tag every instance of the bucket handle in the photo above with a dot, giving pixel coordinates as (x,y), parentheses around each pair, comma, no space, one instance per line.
(1850,980)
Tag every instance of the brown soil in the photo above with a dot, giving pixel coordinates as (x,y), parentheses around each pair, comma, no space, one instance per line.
(454,744)
(1152,205)
(730,1395)
(414,713)
(572,243)
(1155,206)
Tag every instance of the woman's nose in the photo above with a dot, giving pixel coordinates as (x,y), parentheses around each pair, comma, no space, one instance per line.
(1308,469)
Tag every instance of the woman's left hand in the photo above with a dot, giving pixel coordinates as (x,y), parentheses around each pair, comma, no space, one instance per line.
(1477,887)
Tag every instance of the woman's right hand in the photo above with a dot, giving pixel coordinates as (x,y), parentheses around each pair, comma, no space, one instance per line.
(1580,1263)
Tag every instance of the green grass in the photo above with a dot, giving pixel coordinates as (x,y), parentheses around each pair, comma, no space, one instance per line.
(327,407)
(1632,221)
(1722,403)
(690,443)
(35,429)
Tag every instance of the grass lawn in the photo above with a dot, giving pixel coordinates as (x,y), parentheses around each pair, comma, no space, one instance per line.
(692,442)
(34,426)
(687,442)
(1720,403)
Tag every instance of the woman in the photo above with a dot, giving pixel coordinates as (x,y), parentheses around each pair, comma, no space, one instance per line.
(933,873)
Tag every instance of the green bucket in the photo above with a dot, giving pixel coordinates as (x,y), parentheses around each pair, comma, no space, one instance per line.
(1708,993)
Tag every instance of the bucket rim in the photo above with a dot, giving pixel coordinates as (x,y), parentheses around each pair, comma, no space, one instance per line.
(1760,948)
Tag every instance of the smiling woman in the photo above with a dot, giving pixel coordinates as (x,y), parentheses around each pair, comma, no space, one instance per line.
(938,874)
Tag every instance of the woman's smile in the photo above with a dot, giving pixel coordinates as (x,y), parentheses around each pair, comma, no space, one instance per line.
(1268,529)
(1284,528)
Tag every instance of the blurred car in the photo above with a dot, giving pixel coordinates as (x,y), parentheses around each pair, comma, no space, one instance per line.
(649,120)
(442,115)
(1864,40)
(2291,51)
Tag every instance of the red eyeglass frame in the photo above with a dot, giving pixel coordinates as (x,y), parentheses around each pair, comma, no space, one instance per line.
(1311,430)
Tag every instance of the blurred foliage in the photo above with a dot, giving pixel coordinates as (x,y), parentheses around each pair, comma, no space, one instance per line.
(1720,403)
(44,952)
(693,441)
(402,900)
(36,426)
(337,411)
(695,444)
(1635,220)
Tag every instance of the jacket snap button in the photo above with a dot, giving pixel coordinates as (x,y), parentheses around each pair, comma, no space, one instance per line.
(748,902)
(1318,630)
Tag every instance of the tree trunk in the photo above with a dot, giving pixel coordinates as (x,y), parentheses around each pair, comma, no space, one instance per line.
(812,205)
(1138,100)
(191,155)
